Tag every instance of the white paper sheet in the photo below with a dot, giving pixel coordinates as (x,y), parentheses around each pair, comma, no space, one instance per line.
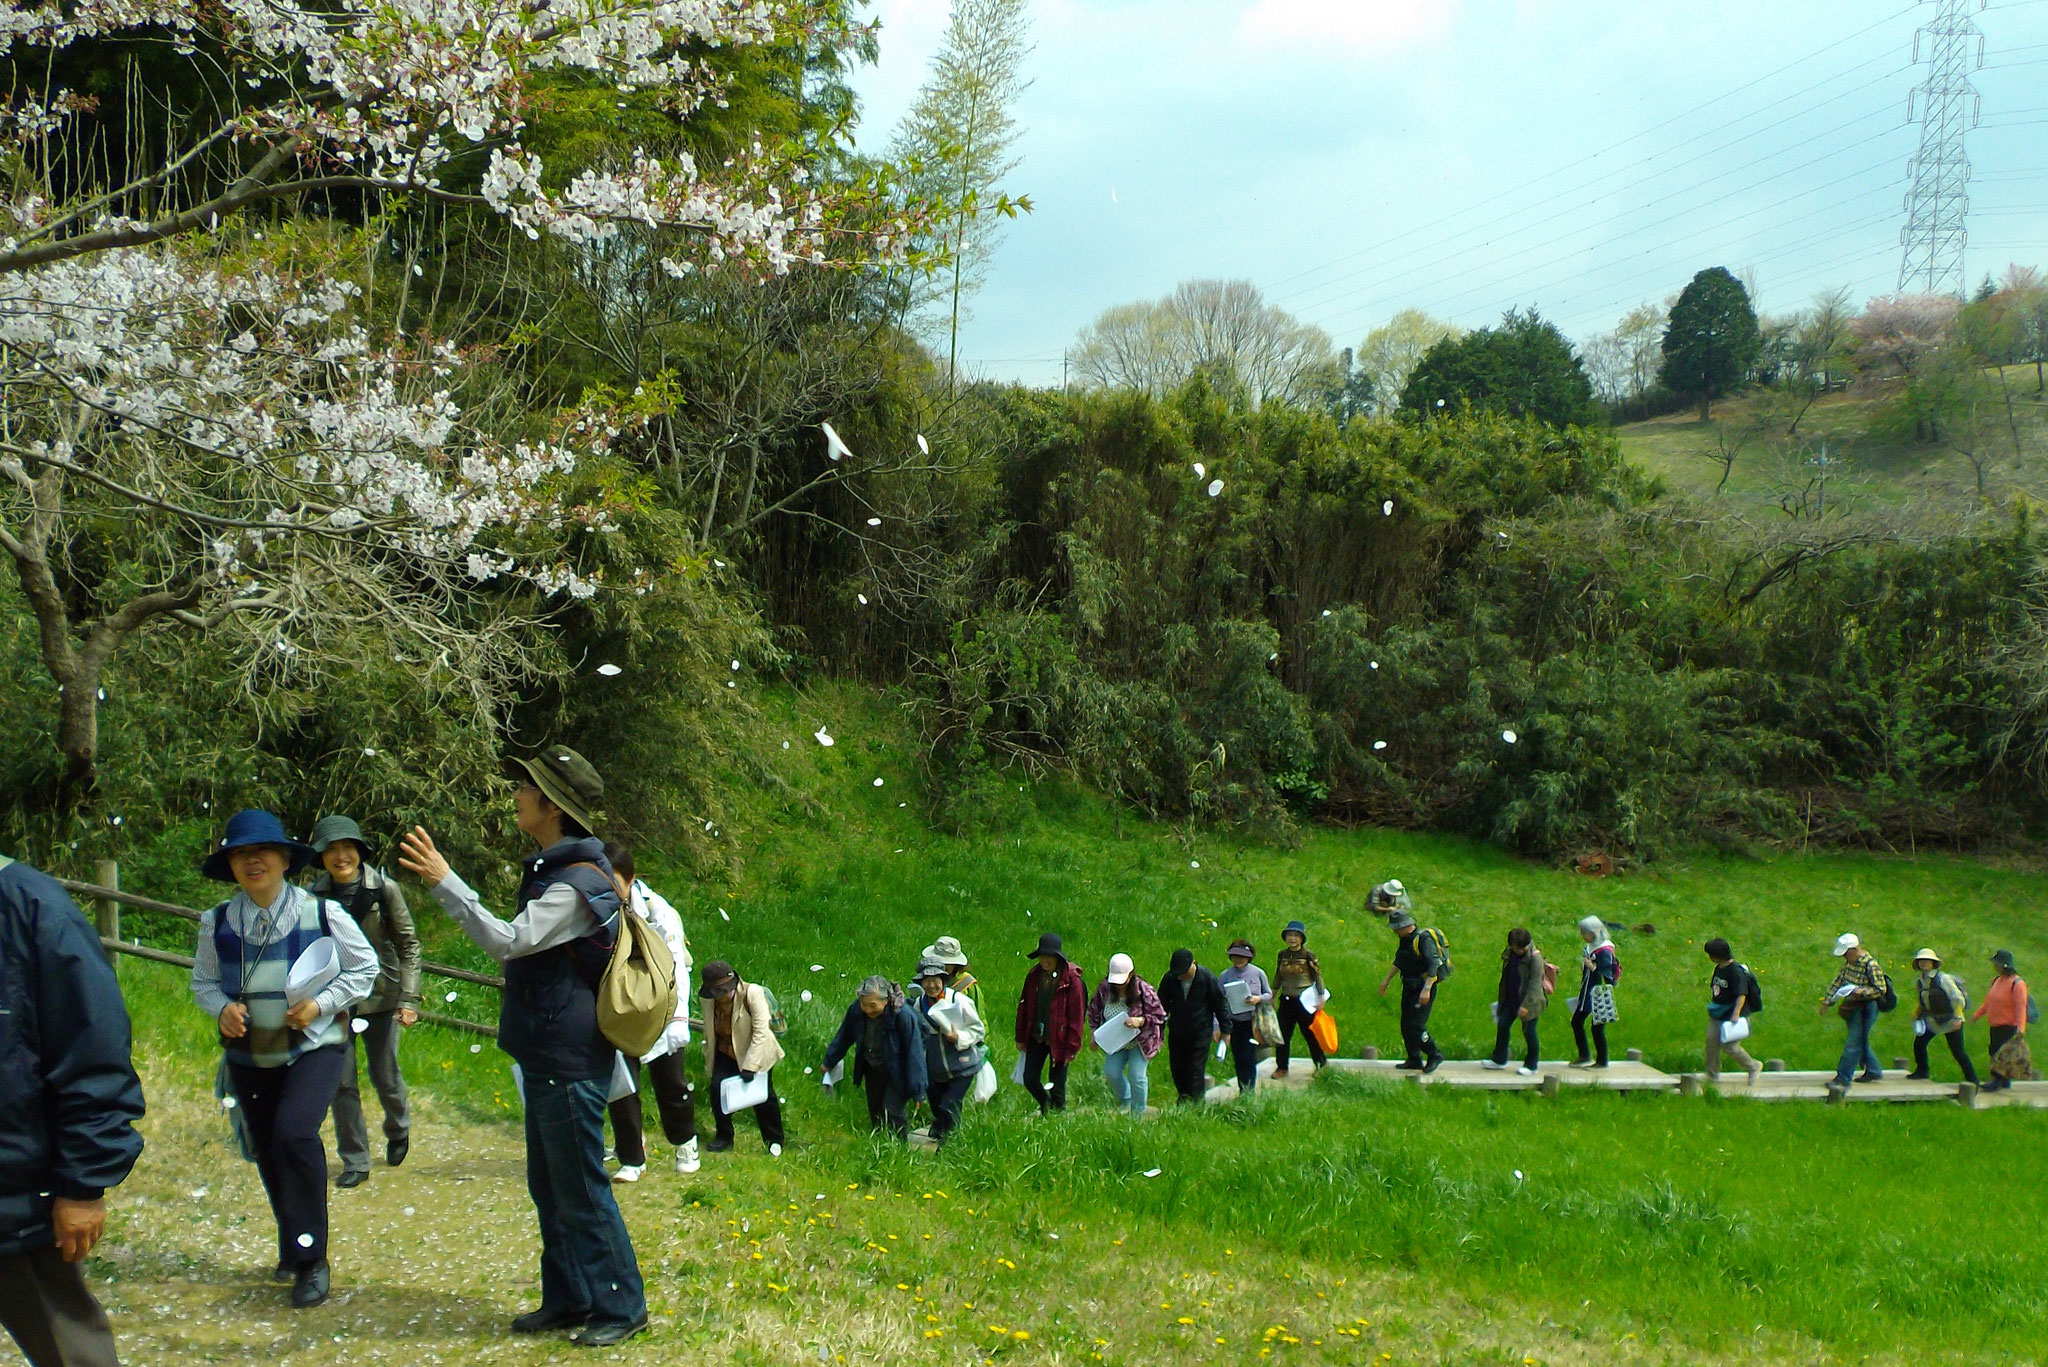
(1115,1032)
(317,966)
(1312,999)
(834,1074)
(1734,1032)
(622,1080)
(1017,1073)
(736,1095)
(1238,995)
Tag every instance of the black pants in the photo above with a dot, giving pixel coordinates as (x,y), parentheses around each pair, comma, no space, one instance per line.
(2000,1034)
(1415,1037)
(1500,1038)
(47,1307)
(1291,1015)
(1187,1051)
(886,1103)
(948,1098)
(1599,1030)
(1053,1090)
(767,1115)
(1244,1054)
(673,1100)
(1955,1049)
(284,1108)
(379,1046)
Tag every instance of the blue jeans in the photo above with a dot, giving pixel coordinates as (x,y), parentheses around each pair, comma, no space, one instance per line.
(1858,1051)
(1129,1081)
(586,1259)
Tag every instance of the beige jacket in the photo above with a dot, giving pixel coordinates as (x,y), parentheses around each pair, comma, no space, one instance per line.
(753,1043)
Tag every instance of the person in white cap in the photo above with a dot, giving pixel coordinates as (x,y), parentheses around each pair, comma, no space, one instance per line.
(1938,1010)
(1127,1070)
(1387,898)
(1857,995)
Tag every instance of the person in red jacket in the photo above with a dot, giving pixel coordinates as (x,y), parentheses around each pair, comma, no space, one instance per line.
(1052,1019)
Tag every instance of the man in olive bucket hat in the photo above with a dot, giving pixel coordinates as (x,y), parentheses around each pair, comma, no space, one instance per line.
(554,952)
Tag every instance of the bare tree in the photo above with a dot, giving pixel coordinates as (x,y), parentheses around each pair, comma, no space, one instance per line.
(1394,348)
(1223,329)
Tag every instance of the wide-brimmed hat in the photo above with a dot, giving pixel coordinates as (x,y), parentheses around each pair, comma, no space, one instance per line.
(2003,958)
(567,779)
(1400,920)
(1049,943)
(329,829)
(1845,942)
(1926,954)
(1296,928)
(947,951)
(1120,969)
(248,828)
(930,967)
(1243,947)
(1386,895)
(717,979)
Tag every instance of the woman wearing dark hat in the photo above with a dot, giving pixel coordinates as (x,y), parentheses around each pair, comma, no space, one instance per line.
(1296,970)
(739,1041)
(887,1042)
(285,1041)
(954,1052)
(555,950)
(1052,1018)
(2005,1007)
(347,876)
(1258,990)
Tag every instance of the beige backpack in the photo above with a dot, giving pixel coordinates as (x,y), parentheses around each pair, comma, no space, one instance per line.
(636,997)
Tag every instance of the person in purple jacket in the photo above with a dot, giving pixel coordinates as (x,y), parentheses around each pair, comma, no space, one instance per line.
(1124,993)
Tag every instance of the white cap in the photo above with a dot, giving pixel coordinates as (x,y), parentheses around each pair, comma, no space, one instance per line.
(1846,942)
(1393,885)
(1119,969)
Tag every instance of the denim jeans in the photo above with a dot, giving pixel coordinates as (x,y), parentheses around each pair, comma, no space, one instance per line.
(586,1258)
(1857,1050)
(1129,1080)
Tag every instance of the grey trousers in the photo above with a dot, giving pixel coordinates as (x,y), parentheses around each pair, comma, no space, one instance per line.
(1715,1049)
(46,1306)
(379,1044)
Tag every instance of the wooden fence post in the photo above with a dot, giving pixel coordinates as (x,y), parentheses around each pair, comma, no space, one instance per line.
(106,911)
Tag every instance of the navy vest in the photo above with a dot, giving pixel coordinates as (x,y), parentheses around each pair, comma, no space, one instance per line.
(548,1021)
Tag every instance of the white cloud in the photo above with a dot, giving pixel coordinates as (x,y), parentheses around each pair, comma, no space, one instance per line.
(1366,25)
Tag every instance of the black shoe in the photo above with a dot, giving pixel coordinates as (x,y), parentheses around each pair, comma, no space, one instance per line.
(605,1335)
(282,1272)
(1409,1065)
(1435,1062)
(309,1285)
(719,1145)
(1870,1077)
(395,1151)
(1918,1077)
(351,1179)
(542,1320)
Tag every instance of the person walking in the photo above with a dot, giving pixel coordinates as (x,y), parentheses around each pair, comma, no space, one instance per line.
(69,1100)
(888,1046)
(1197,1017)
(1859,988)
(946,950)
(1051,1021)
(1295,971)
(739,1041)
(1732,996)
(675,1101)
(1939,1003)
(1599,970)
(349,876)
(1258,991)
(1420,965)
(954,1052)
(285,1058)
(2006,1008)
(1520,999)
(554,952)
(1127,1070)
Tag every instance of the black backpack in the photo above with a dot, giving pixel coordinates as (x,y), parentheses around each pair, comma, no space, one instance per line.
(1755,993)
(1890,1000)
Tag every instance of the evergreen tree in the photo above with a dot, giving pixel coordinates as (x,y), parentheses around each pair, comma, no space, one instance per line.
(1523,368)
(1712,339)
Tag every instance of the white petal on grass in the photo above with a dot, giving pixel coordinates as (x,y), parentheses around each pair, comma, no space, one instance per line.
(1215,487)
(785,745)
(1375,664)
(878,783)
(408,1212)
(449,998)
(609,670)
(722,916)
(1326,612)
(369,752)
(863,599)
(874,522)
(804,996)
(476,1048)
(1509,736)
(1518,1175)
(735,666)
(1379,745)
(834,447)
(1387,508)
(824,738)
(1153,1172)
(1199,471)
(1194,863)
(817,968)
(923,445)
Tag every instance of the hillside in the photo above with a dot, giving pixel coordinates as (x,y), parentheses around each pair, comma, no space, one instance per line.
(1359,1222)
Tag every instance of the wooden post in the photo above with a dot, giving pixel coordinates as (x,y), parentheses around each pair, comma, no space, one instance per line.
(1635,1056)
(1689,1084)
(1774,1065)
(1548,1086)
(1372,1051)
(106,911)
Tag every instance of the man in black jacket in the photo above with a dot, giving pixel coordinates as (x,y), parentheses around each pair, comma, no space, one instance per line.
(69,1100)
(1196,1017)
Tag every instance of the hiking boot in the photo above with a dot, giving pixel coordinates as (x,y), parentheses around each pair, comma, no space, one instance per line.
(1837,1092)
(719,1145)
(687,1159)
(1279,1072)
(1580,1063)
(395,1151)
(542,1320)
(282,1272)
(1869,1076)
(1919,1077)
(309,1285)
(351,1179)
(605,1335)
(1409,1065)
(1436,1061)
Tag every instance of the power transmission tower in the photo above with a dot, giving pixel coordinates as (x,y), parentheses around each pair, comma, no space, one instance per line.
(1946,107)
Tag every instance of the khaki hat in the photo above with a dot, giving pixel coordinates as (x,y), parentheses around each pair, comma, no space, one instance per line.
(567,779)
(1926,954)
(946,949)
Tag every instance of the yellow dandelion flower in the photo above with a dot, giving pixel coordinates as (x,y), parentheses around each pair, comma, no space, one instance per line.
(1019,1335)
(1185,1320)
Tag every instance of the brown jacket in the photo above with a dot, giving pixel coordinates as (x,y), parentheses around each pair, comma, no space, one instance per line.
(753,1043)
(1534,998)
(387,925)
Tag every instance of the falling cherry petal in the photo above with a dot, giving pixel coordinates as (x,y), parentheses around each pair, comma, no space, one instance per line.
(1215,487)
(449,998)
(359,1025)
(804,995)
(1379,745)
(863,599)
(476,1048)
(817,968)
(1194,863)
(609,671)
(1375,664)
(722,916)
(305,1241)
(824,738)
(1387,508)
(878,783)
(834,447)
(1509,737)
(923,445)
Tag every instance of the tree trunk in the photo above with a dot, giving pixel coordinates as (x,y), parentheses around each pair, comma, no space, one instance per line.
(78,733)
(1706,407)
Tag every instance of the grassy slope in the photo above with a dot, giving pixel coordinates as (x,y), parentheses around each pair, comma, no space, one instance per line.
(1644,1228)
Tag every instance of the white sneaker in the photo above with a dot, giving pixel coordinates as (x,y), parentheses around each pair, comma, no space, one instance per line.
(631,1172)
(1490,1065)
(1525,1072)
(687,1159)
(775,1150)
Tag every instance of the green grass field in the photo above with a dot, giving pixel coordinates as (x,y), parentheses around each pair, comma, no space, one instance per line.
(1358,1222)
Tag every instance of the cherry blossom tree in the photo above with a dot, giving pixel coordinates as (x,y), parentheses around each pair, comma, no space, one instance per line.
(226,411)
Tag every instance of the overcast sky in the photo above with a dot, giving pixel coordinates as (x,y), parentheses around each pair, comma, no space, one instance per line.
(1354,157)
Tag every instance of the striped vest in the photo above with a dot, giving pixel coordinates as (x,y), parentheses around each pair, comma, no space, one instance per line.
(254,975)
